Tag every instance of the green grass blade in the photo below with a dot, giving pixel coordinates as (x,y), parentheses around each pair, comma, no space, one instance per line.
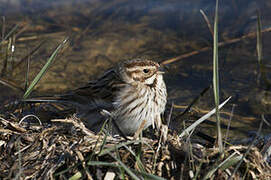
(203,118)
(27,74)
(76,176)
(248,149)
(151,176)
(137,157)
(259,39)
(109,164)
(227,163)
(109,150)
(43,70)
(216,79)
(262,76)
(9,33)
(101,163)
(127,169)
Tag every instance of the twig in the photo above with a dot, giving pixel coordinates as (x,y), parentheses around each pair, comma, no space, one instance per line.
(30,115)
(30,38)
(224,43)
(247,151)
(76,123)
(207,22)
(229,125)
(11,85)
(188,108)
(29,54)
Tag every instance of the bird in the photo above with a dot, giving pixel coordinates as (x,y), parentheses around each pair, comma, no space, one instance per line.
(133,93)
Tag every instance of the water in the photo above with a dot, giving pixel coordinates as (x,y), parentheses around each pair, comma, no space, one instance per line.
(103,33)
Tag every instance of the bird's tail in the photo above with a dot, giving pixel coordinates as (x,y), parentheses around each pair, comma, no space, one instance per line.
(47,99)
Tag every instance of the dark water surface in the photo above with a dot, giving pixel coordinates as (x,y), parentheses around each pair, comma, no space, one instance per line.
(104,32)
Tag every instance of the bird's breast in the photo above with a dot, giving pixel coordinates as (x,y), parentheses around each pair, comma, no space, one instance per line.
(135,105)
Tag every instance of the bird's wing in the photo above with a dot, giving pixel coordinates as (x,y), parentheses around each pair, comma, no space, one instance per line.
(96,96)
(100,93)
(90,99)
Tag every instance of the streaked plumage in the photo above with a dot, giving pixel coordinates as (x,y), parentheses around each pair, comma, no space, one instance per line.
(133,92)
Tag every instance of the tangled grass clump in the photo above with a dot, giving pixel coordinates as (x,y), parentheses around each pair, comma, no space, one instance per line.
(66,149)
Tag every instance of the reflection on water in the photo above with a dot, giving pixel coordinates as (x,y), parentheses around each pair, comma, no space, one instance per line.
(104,32)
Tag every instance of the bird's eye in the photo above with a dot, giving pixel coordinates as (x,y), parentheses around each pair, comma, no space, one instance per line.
(146,70)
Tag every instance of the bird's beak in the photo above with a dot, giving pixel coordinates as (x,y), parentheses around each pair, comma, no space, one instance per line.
(160,70)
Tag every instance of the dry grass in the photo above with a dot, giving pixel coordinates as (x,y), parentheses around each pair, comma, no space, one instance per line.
(66,149)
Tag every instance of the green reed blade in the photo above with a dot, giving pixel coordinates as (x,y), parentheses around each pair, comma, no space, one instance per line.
(216,79)
(259,38)
(43,70)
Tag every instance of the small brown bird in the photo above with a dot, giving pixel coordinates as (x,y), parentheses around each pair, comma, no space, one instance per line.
(134,93)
